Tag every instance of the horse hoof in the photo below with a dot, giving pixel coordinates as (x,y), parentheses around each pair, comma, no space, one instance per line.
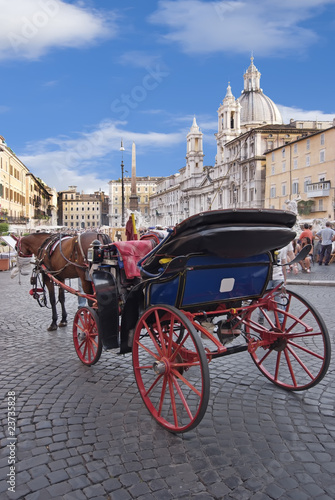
(62,323)
(52,328)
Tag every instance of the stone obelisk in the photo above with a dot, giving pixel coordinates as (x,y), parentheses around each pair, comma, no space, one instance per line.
(133,199)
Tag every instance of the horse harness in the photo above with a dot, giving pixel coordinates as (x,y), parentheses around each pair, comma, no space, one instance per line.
(49,246)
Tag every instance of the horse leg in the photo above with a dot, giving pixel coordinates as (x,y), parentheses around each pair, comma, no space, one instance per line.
(52,298)
(61,298)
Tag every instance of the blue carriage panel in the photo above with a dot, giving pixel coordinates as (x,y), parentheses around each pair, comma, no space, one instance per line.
(164,292)
(218,280)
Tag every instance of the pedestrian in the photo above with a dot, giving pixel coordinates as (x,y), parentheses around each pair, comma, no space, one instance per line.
(278,278)
(307,233)
(81,300)
(130,229)
(306,263)
(327,236)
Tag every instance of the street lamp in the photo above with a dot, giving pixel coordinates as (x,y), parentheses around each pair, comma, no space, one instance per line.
(122,185)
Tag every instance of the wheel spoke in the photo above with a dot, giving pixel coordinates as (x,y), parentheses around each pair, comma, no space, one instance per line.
(294,354)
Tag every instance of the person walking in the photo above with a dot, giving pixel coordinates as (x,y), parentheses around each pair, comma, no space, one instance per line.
(327,236)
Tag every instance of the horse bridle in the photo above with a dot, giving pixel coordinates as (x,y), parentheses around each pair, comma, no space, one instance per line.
(19,250)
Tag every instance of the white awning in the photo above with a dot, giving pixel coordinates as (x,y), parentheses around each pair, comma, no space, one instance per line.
(9,240)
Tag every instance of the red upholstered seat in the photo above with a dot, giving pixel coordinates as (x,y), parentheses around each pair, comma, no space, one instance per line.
(130,252)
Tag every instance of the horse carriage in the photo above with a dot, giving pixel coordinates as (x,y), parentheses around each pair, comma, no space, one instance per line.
(198,295)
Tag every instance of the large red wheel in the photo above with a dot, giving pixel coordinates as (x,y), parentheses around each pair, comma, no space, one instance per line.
(86,338)
(171,368)
(288,341)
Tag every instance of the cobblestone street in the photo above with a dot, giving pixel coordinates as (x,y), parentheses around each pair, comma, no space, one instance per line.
(84,433)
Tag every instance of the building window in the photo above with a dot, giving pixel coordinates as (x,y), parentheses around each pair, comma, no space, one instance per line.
(273,192)
(322,155)
(283,153)
(272,169)
(320,205)
(295,148)
(308,144)
(251,194)
(307,181)
(295,163)
(284,166)
(308,160)
(283,189)
(272,156)
(322,139)
(295,187)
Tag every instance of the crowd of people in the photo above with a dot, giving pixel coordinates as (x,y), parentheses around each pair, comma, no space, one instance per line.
(320,253)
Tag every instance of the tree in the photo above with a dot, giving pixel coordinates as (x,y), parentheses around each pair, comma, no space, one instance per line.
(305,207)
(4,227)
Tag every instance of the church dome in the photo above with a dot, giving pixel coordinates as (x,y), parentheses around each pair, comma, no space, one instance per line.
(256,108)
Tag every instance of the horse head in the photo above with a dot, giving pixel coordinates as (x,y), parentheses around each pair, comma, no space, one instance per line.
(28,245)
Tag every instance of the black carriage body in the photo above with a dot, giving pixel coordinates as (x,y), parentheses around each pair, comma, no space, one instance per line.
(211,258)
(108,309)
(226,234)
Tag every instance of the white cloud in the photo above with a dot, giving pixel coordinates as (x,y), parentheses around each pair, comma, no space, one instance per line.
(289,113)
(265,27)
(31,28)
(83,161)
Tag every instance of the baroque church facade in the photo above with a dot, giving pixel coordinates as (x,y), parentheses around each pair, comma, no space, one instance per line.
(248,127)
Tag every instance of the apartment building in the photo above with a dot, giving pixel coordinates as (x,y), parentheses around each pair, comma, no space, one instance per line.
(82,211)
(145,188)
(303,170)
(23,197)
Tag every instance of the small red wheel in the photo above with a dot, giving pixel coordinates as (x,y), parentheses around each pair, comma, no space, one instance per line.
(86,338)
(171,368)
(288,341)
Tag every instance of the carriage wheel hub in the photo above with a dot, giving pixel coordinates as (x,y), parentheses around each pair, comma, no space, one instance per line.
(159,367)
(82,336)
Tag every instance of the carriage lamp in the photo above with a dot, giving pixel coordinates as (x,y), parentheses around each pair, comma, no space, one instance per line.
(95,252)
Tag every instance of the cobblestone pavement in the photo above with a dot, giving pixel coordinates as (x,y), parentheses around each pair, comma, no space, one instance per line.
(83,433)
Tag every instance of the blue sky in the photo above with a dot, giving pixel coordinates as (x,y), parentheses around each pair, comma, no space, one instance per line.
(77,76)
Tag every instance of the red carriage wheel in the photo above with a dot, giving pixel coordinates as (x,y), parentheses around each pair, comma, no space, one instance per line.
(86,338)
(288,341)
(171,368)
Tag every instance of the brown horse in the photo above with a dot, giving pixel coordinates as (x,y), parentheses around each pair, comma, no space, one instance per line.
(61,256)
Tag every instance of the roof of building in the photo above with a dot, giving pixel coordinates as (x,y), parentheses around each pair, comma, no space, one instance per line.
(256,107)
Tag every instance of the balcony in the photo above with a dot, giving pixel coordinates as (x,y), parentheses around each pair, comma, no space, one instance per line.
(318,189)
(17,220)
